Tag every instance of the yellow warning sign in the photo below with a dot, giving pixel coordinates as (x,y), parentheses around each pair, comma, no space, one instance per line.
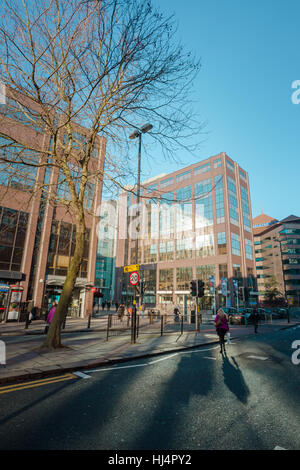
(131,268)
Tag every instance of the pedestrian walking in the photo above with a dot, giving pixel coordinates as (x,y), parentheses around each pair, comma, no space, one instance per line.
(103,304)
(176,313)
(50,315)
(117,306)
(222,328)
(108,305)
(255,318)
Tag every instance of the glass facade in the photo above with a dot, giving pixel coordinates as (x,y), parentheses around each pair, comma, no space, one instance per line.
(248,249)
(205,245)
(203,204)
(232,198)
(166,251)
(62,247)
(17,175)
(166,279)
(183,278)
(245,207)
(222,247)
(220,211)
(235,244)
(184,248)
(13,226)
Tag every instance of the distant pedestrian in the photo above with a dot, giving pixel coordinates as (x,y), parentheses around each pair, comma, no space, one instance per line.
(108,305)
(176,313)
(50,315)
(103,304)
(255,318)
(222,328)
(117,306)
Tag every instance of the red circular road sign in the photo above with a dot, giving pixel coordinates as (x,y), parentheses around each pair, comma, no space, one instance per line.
(134,278)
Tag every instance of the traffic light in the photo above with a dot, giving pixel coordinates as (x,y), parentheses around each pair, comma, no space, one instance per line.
(200,288)
(247,291)
(193,288)
(241,293)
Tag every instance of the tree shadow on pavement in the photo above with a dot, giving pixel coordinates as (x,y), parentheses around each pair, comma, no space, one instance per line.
(234,380)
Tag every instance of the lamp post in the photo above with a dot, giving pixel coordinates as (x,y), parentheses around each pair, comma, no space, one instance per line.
(280,248)
(134,135)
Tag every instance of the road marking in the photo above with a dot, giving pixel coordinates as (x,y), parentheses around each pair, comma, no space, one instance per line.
(82,375)
(36,383)
(103,369)
(163,359)
(212,358)
(258,357)
(279,448)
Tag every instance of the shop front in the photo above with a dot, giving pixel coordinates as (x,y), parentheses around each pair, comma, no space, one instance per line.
(77,307)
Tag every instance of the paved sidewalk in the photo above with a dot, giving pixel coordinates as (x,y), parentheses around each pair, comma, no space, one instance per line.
(89,348)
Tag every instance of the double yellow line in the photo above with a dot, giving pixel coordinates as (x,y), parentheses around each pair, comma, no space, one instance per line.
(37,383)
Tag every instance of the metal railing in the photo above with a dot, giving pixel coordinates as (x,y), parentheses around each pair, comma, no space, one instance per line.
(151,323)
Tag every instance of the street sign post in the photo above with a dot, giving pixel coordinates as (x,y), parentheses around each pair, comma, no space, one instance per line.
(134,278)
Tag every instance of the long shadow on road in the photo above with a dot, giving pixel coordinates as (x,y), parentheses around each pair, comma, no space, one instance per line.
(234,380)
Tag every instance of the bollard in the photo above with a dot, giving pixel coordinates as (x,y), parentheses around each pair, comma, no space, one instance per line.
(182,325)
(64,323)
(107,329)
(89,322)
(138,325)
(162,326)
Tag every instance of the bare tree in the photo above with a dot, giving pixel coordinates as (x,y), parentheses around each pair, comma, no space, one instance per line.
(106,65)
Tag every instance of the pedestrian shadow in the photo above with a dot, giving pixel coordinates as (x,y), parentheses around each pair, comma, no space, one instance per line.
(234,380)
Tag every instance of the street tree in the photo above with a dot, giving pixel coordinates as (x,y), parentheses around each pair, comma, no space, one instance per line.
(106,65)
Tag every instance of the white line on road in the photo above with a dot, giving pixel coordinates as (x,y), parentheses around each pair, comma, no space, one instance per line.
(258,357)
(83,376)
(163,359)
(279,448)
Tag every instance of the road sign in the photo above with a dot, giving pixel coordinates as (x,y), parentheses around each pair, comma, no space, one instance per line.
(131,268)
(134,278)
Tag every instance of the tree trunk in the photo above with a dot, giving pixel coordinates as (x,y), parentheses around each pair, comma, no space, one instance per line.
(53,339)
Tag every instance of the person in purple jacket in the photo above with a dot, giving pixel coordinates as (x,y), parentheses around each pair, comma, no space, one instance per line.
(222,328)
(50,315)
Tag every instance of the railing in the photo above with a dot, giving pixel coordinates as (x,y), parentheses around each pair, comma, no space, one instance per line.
(150,323)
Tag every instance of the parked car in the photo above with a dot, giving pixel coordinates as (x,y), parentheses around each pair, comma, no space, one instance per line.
(280,312)
(237,318)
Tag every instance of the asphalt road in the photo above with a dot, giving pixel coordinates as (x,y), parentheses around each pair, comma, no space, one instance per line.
(190,400)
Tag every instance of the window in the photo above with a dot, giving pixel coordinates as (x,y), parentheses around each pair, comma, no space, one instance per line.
(235,244)
(248,249)
(166,250)
(222,249)
(13,226)
(15,174)
(245,207)
(184,248)
(203,204)
(229,165)
(233,206)
(22,114)
(183,176)
(205,245)
(167,182)
(223,271)
(219,199)
(166,214)
(184,194)
(243,175)
(217,163)
(166,279)
(183,278)
(202,169)
(237,271)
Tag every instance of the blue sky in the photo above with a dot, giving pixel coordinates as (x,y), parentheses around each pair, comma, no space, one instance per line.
(250,56)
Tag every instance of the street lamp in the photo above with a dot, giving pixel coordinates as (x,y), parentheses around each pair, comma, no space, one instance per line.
(137,133)
(284,287)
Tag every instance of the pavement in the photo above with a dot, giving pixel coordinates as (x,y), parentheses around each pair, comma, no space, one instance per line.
(87,348)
